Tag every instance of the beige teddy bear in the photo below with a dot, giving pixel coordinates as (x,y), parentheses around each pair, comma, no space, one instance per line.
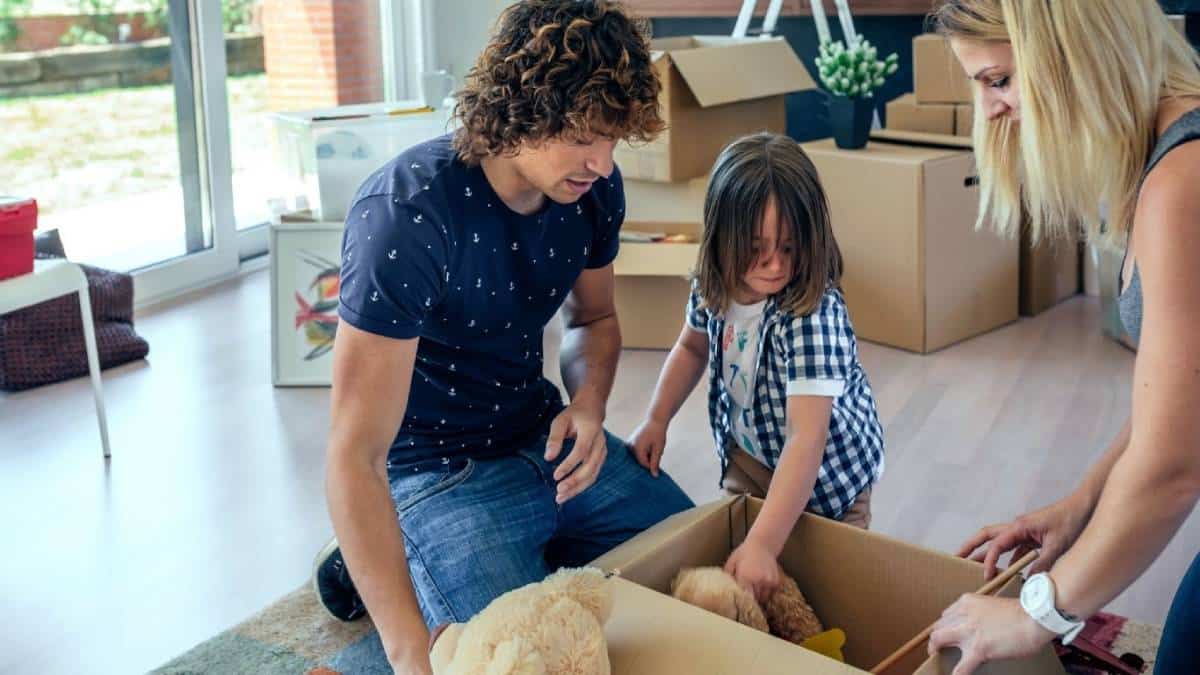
(786,613)
(555,626)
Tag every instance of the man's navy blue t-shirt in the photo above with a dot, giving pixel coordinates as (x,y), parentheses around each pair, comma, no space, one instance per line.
(430,251)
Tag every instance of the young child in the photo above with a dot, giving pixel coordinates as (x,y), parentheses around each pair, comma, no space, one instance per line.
(791,411)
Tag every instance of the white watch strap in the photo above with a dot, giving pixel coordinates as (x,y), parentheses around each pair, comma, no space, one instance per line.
(1070,635)
(1054,622)
(1047,615)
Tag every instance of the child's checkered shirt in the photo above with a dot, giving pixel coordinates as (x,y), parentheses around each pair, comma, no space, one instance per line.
(801,354)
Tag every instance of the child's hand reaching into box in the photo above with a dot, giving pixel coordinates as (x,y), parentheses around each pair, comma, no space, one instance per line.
(755,568)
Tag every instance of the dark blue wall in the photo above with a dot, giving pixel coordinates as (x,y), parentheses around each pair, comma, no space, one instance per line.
(808,112)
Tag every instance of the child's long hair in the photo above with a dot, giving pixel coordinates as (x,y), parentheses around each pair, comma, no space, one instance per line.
(1091,75)
(749,173)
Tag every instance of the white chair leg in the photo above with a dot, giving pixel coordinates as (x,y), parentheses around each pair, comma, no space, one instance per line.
(93,356)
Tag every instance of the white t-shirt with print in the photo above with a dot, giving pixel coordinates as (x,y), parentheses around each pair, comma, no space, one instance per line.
(739,348)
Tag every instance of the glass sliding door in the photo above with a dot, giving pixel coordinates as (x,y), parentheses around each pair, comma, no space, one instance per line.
(145,133)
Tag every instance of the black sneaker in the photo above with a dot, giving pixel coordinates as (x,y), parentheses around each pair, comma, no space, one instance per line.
(335,590)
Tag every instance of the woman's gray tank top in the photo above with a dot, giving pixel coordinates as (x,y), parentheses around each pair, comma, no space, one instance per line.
(1129,302)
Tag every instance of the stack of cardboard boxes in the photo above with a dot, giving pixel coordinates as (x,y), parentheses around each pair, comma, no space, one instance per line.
(941,102)
(666,180)
(918,274)
(941,106)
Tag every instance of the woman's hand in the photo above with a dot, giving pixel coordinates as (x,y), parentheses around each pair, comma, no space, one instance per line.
(986,629)
(1053,529)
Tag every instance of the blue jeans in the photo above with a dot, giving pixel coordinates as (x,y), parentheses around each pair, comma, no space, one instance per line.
(1179,651)
(474,529)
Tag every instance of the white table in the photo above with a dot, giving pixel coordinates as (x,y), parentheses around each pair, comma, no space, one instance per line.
(51,279)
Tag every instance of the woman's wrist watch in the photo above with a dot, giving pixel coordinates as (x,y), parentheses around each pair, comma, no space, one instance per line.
(1037,599)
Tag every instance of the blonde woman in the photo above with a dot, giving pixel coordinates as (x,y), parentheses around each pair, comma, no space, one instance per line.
(1082,103)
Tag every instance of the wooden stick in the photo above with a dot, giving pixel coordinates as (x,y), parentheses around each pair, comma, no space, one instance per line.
(986,589)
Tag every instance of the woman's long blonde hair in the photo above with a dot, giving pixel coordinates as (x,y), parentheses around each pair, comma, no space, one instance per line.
(1091,76)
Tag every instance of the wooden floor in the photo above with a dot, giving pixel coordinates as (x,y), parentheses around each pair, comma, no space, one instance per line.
(212,505)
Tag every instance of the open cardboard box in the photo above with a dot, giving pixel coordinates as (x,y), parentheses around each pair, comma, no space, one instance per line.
(879,590)
(705,108)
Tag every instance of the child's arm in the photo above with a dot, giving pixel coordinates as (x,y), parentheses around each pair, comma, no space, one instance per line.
(682,371)
(754,564)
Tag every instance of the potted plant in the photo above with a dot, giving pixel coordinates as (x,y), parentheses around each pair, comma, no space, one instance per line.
(851,71)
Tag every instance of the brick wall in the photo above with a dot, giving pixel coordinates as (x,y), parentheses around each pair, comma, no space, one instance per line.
(322,53)
(64,70)
(43,32)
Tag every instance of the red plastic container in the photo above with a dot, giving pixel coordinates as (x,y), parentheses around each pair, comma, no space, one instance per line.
(18,220)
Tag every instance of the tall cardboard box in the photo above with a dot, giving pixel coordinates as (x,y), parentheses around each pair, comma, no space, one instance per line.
(964,119)
(879,590)
(906,114)
(653,280)
(918,275)
(1050,273)
(714,89)
(937,76)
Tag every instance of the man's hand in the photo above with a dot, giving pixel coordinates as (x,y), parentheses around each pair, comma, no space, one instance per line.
(579,470)
(647,444)
(755,569)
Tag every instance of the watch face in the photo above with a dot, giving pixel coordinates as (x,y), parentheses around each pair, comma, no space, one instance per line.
(1036,592)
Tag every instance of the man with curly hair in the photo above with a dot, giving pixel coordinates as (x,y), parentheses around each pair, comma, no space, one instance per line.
(455,472)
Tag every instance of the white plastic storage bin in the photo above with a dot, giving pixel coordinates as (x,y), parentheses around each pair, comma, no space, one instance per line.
(325,155)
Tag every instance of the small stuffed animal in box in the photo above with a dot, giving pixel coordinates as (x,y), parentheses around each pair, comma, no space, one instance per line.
(786,613)
(555,626)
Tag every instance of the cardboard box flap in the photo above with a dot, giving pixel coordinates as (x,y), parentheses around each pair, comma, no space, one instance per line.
(889,151)
(918,138)
(646,548)
(1043,663)
(685,639)
(764,68)
(915,584)
(660,45)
